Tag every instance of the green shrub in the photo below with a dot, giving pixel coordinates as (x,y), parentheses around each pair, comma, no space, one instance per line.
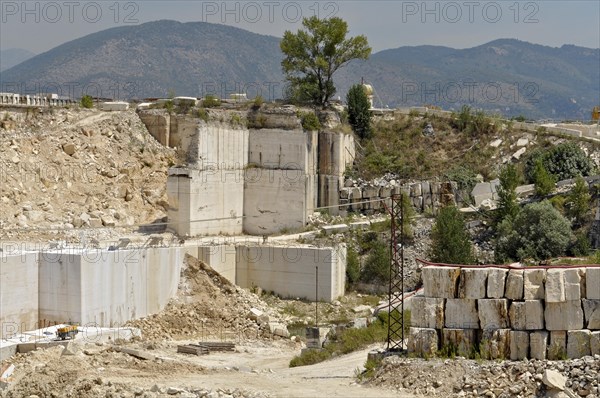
(508,206)
(210,101)
(544,181)
(563,161)
(202,114)
(539,231)
(87,101)
(450,241)
(579,201)
(353,265)
(359,113)
(582,246)
(258,102)
(169,106)
(376,268)
(465,177)
(310,121)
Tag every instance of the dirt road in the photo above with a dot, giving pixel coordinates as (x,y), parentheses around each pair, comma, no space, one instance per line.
(265,369)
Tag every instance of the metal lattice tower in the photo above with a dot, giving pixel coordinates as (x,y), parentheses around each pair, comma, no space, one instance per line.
(395,340)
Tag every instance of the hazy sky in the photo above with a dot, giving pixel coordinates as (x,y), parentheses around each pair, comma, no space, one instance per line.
(41,25)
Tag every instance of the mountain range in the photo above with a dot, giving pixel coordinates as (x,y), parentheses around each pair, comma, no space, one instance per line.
(13,56)
(154,59)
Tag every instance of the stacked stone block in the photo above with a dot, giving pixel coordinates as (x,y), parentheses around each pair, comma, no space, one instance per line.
(425,196)
(541,313)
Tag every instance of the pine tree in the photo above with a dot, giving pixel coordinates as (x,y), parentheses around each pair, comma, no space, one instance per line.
(359,115)
(450,240)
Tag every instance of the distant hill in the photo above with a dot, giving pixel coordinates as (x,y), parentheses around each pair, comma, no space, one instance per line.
(508,76)
(150,60)
(13,56)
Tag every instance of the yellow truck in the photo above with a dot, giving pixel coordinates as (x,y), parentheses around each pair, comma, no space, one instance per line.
(67,332)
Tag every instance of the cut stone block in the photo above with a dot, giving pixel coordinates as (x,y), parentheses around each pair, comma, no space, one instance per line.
(461,340)
(493,313)
(527,315)
(533,284)
(558,345)
(574,284)
(440,282)
(514,285)
(473,282)
(555,286)
(519,345)
(496,282)
(422,341)
(538,345)
(564,316)
(593,283)
(578,343)
(495,344)
(461,314)
(427,312)
(595,343)
(591,312)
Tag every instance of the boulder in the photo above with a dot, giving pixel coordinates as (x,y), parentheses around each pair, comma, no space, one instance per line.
(593,283)
(69,148)
(472,283)
(496,282)
(461,340)
(555,286)
(514,285)
(527,315)
(578,343)
(495,344)
(461,314)
(427,312)
(519,345)
(557,349)
(554,380)
(493,313)
(595,343)
(538,345)
(564,316)
(574,280)
(533,284)
(422,341)
(591,312)
(440,282)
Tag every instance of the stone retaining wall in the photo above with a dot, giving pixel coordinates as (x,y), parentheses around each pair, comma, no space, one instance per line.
(425,196)
(500,313)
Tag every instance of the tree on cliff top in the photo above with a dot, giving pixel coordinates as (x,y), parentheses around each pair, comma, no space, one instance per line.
(315,53)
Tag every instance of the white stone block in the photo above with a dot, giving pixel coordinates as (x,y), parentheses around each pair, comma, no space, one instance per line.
(427,312)
(533,287)
(578,343)
(461,314)
(496,282)
(514,285)
(558,345)
(595,343)
(495,344)
(591,312)
(440,282)
(493,313)
(422,341)
(564,316)
(574,284)
(519,345)
(538,345)
(473,282)
(593,283)
(555,286)
(527,315)
(461,340)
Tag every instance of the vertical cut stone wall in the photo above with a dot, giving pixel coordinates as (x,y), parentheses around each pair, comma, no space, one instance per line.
(500,313)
